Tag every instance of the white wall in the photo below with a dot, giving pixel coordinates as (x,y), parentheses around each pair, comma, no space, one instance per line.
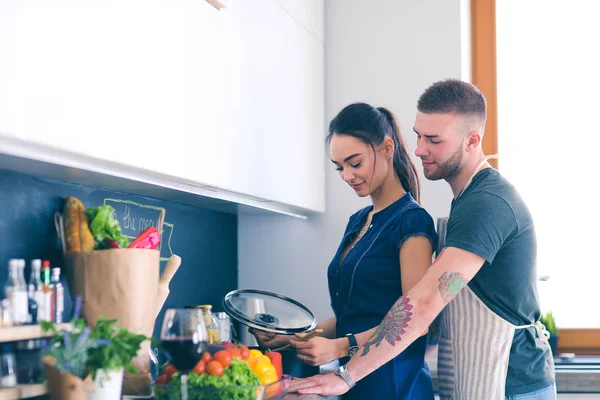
(385,55)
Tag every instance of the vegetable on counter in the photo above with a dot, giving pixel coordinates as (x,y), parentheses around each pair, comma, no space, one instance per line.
(111,244)
(277,362)
(148,239)
(234,372)
(78,237)
(208,386)
(104,225)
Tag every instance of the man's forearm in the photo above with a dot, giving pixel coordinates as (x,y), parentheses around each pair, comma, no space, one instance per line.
(412,314)
(395,333)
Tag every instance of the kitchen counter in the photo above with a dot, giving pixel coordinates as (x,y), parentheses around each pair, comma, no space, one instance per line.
(577,376)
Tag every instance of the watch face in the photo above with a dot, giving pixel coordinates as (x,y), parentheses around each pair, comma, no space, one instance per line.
(352,351)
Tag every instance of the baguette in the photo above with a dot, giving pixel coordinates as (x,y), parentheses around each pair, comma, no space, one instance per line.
(78,236)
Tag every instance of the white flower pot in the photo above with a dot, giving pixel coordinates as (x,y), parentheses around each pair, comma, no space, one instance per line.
(107,385)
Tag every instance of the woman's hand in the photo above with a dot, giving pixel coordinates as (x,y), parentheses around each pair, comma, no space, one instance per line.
(319,350)
(268,340)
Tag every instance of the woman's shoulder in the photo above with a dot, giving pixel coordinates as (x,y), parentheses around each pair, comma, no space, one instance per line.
(413,219)
(412,211)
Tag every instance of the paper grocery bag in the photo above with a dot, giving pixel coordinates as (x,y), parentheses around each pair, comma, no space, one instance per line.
(121,284)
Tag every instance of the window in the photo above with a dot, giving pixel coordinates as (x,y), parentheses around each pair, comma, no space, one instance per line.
(548,139)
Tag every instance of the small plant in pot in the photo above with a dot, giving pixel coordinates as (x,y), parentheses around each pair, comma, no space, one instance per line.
(65,361)
(550,323)
(102,355)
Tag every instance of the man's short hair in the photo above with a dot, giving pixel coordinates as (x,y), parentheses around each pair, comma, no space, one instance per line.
(453,96)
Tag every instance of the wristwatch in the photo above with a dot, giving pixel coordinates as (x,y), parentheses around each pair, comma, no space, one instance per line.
(353,344)
(342,372)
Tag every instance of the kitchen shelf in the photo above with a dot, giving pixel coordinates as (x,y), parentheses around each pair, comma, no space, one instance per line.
(23,391)
(26,332)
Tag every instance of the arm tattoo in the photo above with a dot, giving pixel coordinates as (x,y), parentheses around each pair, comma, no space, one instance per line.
(450,284)
(392,327)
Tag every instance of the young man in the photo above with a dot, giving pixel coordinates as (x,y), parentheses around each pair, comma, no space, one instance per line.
(491,345)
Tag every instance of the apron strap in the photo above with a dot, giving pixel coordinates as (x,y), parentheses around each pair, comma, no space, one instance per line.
(541,330)
(481,164)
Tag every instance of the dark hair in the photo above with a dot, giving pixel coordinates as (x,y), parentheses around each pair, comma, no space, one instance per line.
(453,96)
(371,125)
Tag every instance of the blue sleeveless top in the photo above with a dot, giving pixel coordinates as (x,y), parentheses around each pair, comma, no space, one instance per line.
(368,283)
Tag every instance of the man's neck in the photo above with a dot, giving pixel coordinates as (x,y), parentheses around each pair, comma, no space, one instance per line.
(459,181)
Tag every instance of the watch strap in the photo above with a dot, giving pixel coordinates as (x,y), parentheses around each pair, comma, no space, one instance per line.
(343,373)
(353,345)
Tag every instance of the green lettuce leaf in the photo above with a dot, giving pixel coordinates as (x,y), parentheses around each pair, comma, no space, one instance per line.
(104,225)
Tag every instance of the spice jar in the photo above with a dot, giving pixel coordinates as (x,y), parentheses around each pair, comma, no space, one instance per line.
(212,325)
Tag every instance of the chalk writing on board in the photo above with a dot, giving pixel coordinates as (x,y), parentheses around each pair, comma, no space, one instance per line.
(134,217)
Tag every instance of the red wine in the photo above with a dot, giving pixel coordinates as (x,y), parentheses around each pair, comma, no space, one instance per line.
(183,352)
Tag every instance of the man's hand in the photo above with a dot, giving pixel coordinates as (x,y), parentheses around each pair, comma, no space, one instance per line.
(269,340)
(329,384)
(318,350)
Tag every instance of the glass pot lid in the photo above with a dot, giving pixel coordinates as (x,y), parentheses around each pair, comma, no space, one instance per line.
(269,312)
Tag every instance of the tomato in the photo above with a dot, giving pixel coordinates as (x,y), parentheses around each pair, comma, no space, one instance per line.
(200,367)
(162,380)
(215,368)
(255,353)
(206,357)
(169,370)
(235,352)
(245,352)
(224,357)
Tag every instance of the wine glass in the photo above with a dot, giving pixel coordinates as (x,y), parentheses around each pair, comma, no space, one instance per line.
(184,338)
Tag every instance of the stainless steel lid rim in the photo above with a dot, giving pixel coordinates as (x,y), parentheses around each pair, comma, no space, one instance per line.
(231,309)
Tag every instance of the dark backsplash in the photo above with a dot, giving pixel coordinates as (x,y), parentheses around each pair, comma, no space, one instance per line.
(205,240)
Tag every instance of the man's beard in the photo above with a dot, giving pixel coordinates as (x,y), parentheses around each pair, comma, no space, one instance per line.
(448,169)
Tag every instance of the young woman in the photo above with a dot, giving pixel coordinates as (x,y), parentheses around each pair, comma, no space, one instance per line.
(386,249)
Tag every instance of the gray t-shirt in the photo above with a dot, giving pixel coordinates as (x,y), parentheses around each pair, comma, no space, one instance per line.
(491,220)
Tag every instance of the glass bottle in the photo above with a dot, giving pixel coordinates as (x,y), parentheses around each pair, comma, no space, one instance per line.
(36,289)
(6,313)
(212,325)
(23,298)
(16,292)
(48,292)
(58,296)
(10,285)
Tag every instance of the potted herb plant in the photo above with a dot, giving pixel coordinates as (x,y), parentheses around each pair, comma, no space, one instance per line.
(65,362)
(106,363)
(100,354)
(549,322)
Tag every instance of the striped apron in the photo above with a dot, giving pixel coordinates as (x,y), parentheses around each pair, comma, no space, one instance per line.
(474,347)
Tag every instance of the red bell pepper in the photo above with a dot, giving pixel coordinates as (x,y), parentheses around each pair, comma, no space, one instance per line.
(275,358)
(148,239)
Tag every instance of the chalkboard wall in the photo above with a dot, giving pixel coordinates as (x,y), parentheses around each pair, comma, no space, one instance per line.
(205,240)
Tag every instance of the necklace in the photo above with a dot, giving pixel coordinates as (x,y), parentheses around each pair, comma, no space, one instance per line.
(362,232)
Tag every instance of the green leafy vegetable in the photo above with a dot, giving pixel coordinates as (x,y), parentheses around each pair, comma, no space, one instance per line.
(120,347)
(85,350)
(104,225)
(237,383)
